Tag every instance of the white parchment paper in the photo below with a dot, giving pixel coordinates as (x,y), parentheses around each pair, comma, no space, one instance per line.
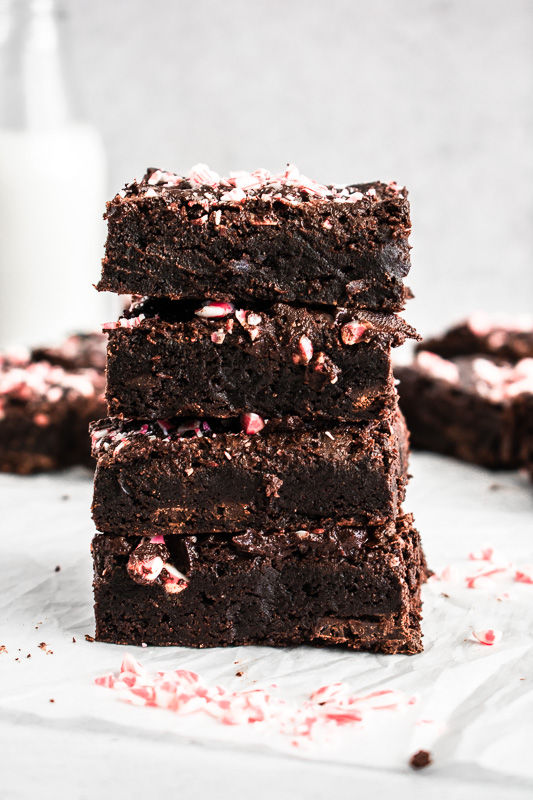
(475,703)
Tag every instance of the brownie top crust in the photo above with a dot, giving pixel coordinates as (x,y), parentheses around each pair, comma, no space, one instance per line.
(27,382)
(495,380)
(79,351)
(501,336)
(206,188)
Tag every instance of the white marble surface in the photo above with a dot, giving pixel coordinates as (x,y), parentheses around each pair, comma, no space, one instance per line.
(87,744)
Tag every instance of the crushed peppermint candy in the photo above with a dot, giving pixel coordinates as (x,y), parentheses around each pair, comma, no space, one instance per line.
(492,568)
(290,186)
(212,310)
(252,423)
(149,564)
(305,351)
(438,367)
(352,332)
(185,692)
(124,322)
(40,380)
(488,637)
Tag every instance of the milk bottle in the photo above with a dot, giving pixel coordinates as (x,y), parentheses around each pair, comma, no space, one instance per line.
(52,185)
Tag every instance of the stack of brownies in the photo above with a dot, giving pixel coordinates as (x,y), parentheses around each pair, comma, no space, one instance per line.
(251,472)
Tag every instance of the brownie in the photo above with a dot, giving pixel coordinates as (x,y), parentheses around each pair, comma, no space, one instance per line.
(260,236)
(80,351)
(467,407)
(508,338)
(311,586)
(45,412)
(175,476)
(168,358)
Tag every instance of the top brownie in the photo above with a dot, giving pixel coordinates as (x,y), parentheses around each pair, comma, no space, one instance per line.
(507,338)
(261,236)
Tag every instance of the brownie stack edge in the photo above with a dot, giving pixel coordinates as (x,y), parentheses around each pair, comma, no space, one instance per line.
(251,473)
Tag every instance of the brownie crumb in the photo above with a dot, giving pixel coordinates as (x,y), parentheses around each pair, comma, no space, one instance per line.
(3,648)
(42,645)
(73,640)
(52,700)
(89,638)
(57,569)
(29,655)
(239,674)
(420,759)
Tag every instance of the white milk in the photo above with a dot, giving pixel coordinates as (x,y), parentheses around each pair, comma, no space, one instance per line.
(52,197)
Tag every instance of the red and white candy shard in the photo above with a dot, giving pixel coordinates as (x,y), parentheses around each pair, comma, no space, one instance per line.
(352,332)
(305,346)
(252,423)
(213,310)
(524,575)
(488,637)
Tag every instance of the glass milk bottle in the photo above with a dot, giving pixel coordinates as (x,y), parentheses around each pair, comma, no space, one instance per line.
(52,184)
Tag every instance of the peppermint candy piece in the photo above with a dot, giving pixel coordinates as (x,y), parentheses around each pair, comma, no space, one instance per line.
(352,332)
(488,637)
(213,310)
(252,423)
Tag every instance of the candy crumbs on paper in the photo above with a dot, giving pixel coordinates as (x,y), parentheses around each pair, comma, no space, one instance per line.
(185,692)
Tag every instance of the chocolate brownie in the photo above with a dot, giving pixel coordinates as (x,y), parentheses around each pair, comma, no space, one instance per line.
(508,338)
(168,358)
(80,351)
(321,587)
(260,236)
(467,407)
(176,476)
(45,412)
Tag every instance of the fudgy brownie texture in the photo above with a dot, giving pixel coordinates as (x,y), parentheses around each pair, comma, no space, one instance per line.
(80,351)
(45,413)
(320,587)
(151,478)
(510,339)
(261,236)
(468,407)
(168,358)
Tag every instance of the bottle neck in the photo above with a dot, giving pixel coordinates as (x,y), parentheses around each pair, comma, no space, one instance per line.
(36,91)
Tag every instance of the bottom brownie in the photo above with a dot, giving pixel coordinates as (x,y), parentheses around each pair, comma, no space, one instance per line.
(332,586)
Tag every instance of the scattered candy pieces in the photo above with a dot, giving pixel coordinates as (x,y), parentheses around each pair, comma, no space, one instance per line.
(185,692)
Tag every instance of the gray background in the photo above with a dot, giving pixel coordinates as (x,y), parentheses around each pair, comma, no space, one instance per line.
(436,94)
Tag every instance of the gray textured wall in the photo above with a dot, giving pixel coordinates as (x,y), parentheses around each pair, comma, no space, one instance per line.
(437,94)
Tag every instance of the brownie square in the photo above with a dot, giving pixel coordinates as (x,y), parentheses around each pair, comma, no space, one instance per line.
(331,586)
(467,407)
(259,236)
(176,476)
(45,413)
(168,358)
